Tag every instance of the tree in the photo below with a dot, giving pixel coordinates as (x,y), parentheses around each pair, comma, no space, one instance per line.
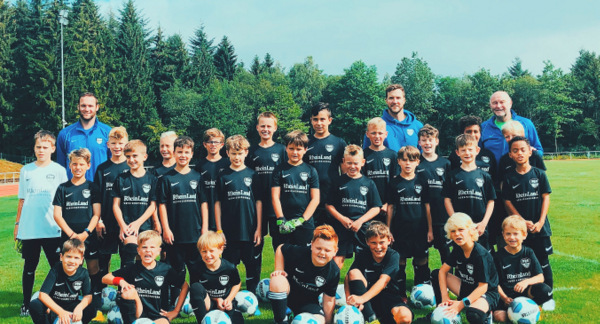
(516,70)
(225,59)
(168,61)
(268,63)
(585,89)
(417,79)
(307,83)
(7,37)
(256,68)
(201,70)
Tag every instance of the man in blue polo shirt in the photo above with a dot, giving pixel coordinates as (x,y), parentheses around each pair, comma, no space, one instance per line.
(88,132)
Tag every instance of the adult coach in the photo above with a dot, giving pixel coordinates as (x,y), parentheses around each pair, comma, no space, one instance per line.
(402,125)
(88,132)
(491,133)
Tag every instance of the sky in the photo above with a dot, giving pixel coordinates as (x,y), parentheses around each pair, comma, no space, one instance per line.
(453,37)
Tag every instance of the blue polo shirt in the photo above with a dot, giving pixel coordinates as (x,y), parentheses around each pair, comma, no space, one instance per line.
(400,133)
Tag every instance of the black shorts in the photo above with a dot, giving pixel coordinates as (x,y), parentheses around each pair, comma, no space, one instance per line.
(236,251)
(31,248)
(349,241)
(539,244)
(440,241)
(383,304)
(91,245)
(492,297)
(411,248)
(110,242)
(302,305)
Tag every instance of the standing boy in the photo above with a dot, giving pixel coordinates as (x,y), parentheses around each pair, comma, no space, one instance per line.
(471,125)
(167,139)
(35,226)
(510,130)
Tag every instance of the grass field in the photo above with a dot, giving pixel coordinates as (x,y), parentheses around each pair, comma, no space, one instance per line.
(574,215)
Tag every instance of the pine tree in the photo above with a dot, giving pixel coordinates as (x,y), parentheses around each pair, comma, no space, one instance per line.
(225,59)
(256,68)
(7,37)
(168,60)
(201,69)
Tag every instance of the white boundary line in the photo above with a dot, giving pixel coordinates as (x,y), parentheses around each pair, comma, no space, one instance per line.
(576,257)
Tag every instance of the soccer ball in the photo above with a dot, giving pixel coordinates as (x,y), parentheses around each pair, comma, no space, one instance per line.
(186,308)
(523,310)
(109,295)
(143,320)
(114,316)
(263,289)
(348,315)
(35,295)
(340,295)
(422,296)
(438,317)
(246,302)
(57,319)
(216,317)
(305,318)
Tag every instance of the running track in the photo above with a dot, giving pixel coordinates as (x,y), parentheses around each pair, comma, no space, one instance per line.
(9,190)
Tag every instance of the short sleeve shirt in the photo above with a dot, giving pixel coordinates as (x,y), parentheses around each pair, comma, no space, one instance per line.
(306,279)
(469,192)
(325,155)
(506,163)
(105,177)
(217,283)
(210,171)
(76,203)
(409,198)
(433,173)
(478,268)
(65,290)
(237,194)
(381,167)
(136,194)
(372,270)
(514,268)
(295,183)
(263,161)
(354,197)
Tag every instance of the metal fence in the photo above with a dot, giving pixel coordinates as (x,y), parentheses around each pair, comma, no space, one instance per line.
(9,177)
(572,155)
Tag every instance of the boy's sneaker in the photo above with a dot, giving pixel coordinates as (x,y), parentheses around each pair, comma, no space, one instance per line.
(375,321)
(549,306)
(24,311)
(99,317)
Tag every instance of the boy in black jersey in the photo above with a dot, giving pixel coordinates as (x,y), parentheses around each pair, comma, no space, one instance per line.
(470,190)
(209,168)
(238,210)
(526,192)
(433,170)
(380,165)
(325,153)
(134,200)
(302,273)
(141,284)
(519,270)
(295,193)
(62,289)
(214,282)
(409,218)
(476,279)
(371,281)
(485,160)
(353,202)
(167,139)
(510,130)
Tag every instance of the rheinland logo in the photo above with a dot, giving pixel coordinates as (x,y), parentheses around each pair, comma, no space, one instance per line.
(194,184)
(146,187)
(535,182)
(275,157)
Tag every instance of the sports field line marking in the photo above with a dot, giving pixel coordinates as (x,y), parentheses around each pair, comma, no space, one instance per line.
(565,288)
(576,257)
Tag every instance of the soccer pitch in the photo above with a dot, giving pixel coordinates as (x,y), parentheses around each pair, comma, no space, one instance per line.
(574,216)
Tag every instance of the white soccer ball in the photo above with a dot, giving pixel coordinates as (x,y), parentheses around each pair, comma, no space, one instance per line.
(109,295)
(216,317)
(438,317)
(340,295)
(143,320)
(114,316)
(422,296)
(247,303)
(262,290)
(305,318)
(186,308)
(35,295)
(523,310)
(56,321)
(348,315)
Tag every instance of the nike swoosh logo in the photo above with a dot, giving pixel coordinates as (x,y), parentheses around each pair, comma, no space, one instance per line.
(69,195)
(59,284)
(458,262)
(105,174)
(255,158)
(256,257)
(126,188)
(550,294)
(228,182)
(420,170)
(342,188)
(286,175)
(506,267)
(203,281)
(96,293)
(369,161)
(310,148)
(174,184)
(300,271)
(399,191)
(367,270)
(138,279)
(459,181)
(515,186)
(548,249)
(92,253)
(203,172)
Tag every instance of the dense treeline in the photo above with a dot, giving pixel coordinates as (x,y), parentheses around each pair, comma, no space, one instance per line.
(150,82)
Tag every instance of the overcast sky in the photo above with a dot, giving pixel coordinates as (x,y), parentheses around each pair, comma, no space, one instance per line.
(453,37)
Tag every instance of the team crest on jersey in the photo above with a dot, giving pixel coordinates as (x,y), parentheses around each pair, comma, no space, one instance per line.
(86,193)
(194,184)
(364,190)
(248,181)
(526,262)
(99,140)
(304,176)
(329,147)
(534,182)
(223,280)
(470,269)
(319,281)
(485,159)
(418,189)
(275,157)
(50,177)
(479,182)
(159,280)
(410,132)
(146,187)
(77,284)
(386,161)
(439,171)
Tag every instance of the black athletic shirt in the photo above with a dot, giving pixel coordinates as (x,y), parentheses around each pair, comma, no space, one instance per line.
(525,192)
(325,155)
(65,290)
(105,176)
(295,183)
(485,160)
(182,194)
(381,167)
(306,280)
(506,163)
(217,283)
(263,161)
(469,191)
(373,270)
(354,197)
(434,173)
(150,283)
(513,269)
(160,170)
(236,191)
(409,198)
(76,203)
(479,267)
(209,172)
(136,195)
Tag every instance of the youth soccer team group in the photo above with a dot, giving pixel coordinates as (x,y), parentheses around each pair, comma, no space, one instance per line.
(320,200)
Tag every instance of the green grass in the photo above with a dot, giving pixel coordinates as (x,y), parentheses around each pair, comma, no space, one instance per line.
(574,215)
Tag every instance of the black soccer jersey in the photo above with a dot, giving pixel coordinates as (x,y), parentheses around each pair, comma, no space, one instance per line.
(76,203)
(469,191)
(433,173)
(525,193)
(373,270)
(295,183)
(409,198)
(354,197)
(210,171)
(150,283)
(65,290)
(381,167)
(160,170)
(479,267)
(105,177)
(182,194)
(237,193)
(506,163)
(485,160)
(136,194)
(263,161)
(325,155)
(513,269)
(217,283)
(307,280)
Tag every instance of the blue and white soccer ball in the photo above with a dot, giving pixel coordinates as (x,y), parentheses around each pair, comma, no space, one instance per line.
(305,318)
(247,303)
(422,296)
(186,308)
(262,290)
(216,317)
(114,316)
(143,320)
(439,317)
(340,295)
(348,315)
(35,295)
(523,310)
(56,321)
(109,295)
